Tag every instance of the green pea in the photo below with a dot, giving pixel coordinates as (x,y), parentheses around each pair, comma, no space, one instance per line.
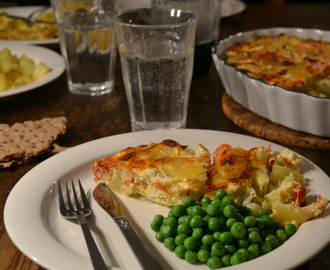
(238,230)
(239,217)
(276,226)
(208,240)
(190,243)
(249,221)
(198,233)
(242,243)
(196,222)
(197,211)
(237,258)
(260,224)
(244,251)
(203,255)
(229,211)
(263,212)
(191,256)
(244,211)
(179,239)
(206,200)
(226,238)
(212,210)
(179,210)
(214,262)
(268,221)
(206,218)
(218,249)
(180,251)
(184,219)
(155,225)
(265,247)
(167,230)
(189,201)
(220,193)
(159,217)
(227,200)
(281,235)
(183,228)
(272,240)
(208,248)
(216,202)
(170,213)
(290,229)
(230,249)
(254,250)
(230,222)
(254,237)
(214,224)
(159,237)
(173,221)
(169,243)
(253,229)
(216,235)
(226,260)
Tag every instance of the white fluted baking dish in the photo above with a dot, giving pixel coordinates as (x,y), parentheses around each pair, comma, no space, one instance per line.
(295,110)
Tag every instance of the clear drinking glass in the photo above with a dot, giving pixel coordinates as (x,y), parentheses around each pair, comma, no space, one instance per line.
(156,48)
(87,41)
(207,32)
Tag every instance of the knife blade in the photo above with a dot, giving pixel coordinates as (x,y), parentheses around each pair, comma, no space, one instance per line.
(106,198)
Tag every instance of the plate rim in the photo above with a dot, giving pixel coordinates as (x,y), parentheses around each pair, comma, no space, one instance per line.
(41,170)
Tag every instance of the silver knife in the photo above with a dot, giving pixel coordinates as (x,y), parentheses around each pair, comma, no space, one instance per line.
(106,198)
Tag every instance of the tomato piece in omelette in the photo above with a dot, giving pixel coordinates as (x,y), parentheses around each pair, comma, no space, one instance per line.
(164,173)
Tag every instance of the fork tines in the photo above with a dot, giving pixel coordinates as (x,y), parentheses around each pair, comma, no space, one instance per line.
(76,206)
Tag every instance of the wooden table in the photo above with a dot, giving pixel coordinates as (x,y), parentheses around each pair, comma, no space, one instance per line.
(91,118)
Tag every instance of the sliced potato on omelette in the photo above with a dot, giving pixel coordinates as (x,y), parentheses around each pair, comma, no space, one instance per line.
(263,178)
(163,173)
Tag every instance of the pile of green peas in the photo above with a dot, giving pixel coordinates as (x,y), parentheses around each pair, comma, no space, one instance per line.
(218,232)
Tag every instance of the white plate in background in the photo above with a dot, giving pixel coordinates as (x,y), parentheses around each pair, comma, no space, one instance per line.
(25,11)
(38,54)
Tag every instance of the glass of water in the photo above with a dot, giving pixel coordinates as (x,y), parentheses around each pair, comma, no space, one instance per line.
(156,48)
(88,45)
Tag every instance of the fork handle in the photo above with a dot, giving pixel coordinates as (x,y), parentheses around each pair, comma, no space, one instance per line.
(94,252)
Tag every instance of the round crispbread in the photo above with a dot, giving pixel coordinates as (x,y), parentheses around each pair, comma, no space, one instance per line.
(23,142)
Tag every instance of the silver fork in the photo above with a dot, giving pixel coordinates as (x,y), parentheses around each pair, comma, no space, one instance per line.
(79,212)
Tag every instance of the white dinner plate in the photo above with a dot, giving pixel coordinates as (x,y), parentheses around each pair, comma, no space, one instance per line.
(39,55)
(35,225)
(25,11)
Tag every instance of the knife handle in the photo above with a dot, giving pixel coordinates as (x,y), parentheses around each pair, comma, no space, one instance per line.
(142,252)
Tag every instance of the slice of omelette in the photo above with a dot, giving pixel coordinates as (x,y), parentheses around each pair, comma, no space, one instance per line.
(164,173)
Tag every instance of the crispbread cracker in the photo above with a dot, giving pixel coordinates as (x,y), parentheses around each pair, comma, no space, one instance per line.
(22,142)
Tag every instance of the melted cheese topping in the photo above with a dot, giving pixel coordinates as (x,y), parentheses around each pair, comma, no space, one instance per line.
(290,62)
(167,172)
(164,173)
